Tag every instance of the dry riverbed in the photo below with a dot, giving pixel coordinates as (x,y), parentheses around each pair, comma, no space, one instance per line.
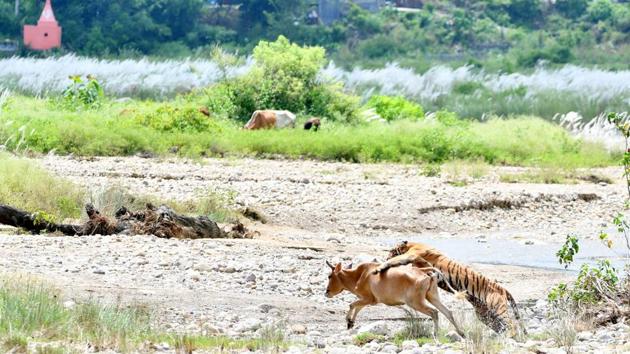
(318,211)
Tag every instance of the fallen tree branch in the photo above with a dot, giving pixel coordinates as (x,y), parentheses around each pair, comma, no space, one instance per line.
(162,222)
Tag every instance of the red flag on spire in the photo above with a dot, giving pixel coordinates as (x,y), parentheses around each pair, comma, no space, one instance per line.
(47,34)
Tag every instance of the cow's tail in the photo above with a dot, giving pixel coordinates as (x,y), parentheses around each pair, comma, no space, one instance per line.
(460,295)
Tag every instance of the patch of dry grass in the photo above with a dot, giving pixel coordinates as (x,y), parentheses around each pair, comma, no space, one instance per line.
(551,175)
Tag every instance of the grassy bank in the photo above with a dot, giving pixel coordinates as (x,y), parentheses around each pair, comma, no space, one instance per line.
(119,129)
(28,186)
(34,315)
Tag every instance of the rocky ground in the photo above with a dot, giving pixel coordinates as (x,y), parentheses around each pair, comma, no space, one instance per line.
(318,211)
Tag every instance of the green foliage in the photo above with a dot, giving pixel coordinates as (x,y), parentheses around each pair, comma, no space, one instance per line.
(115,131)
(83,94)
(448,118)
(169,118)
(524,11)
(572,8)
(431,170)
(570,248)
(591,285)
(365,338)
(467,87)
(284,77)
(394,108)
(600,10)
(27,186)
(447,31)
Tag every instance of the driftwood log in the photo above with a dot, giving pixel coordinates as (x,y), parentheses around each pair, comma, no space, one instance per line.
(159,221)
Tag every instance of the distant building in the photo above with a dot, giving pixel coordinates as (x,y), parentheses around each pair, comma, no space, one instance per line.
(46,34)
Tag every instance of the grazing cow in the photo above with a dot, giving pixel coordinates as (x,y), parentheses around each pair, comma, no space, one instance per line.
(403,285)
(268,119)
(312,123)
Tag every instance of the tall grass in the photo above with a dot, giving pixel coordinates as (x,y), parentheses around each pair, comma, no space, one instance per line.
(472,93)
(141,78)
(28,186)
(113,131)
(465,90)
(597,130)
(31,310)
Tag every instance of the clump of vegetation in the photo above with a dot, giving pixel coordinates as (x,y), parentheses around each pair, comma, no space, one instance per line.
(114,131)
(272,337)
(284,76)
(598,289)
(431,170)
(416,328)
(394,108)
(33,310)
(593,284)
(170,118)
(83,94)
(478,338)
(28,186)
(564,331)
(570,248)
(367,337)
(459,172)
(218,206)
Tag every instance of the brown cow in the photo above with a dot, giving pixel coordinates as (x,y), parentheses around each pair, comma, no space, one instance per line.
(402,285)
(261,120)
(312,123)
(268,119)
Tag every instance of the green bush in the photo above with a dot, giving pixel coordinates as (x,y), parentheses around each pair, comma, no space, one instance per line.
(600,10)
(589,285)
(82,94)
(169,118)
(394,108)
(284,77)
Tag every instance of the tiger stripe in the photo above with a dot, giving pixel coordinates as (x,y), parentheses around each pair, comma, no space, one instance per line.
(490,300)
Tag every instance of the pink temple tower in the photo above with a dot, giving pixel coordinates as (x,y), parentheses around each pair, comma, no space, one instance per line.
(47,34)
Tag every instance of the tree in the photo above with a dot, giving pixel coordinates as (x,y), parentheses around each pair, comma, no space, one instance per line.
(572,8)
(600,10)
(524,11)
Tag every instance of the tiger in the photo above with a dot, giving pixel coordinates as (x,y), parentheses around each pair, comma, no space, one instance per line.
(488,298)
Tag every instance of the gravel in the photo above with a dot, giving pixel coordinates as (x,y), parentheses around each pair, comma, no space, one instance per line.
(316,211)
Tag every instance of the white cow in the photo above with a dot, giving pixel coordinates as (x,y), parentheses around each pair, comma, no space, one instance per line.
(267,119)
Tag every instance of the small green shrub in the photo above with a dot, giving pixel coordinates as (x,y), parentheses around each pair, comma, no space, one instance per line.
(448,118)
(591,286)
(83,94)
(467,87)
(431,170)
(395,108)
(170,118)
(365,338)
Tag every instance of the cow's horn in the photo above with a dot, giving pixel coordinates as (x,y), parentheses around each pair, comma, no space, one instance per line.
(330,265)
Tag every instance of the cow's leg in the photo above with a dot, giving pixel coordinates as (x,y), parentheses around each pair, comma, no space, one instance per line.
(355,307)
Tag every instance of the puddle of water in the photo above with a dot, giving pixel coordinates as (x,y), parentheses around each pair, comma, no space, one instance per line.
(515,252)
